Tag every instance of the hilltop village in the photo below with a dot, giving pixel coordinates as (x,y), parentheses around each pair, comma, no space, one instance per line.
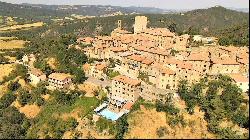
(148,63)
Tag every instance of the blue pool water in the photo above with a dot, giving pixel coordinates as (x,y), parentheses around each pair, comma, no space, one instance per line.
(109,114)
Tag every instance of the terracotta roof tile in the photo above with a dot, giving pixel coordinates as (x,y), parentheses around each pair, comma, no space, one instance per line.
(86,67)
(172,61)
(185,65)
(163,69)
(100,66)
(127,80)
(36,72)
(118,49)
(85,39)
(243,60)
(147,61)
(228,61)
(128,105)
(138,58)
(198,57)
(239,78)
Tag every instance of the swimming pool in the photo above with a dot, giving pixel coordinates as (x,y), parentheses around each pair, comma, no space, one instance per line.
(110,115)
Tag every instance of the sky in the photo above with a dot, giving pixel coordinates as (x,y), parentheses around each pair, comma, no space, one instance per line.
(164,4)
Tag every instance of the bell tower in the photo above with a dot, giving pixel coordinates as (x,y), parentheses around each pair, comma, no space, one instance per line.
(140,24)
(119,24)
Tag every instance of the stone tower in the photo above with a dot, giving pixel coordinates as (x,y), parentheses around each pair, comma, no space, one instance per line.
(140,24)
(119,24)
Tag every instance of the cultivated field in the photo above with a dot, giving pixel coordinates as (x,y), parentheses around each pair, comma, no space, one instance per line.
(5,70)
(12,44)
(7,38)
(17,27)
(30,111)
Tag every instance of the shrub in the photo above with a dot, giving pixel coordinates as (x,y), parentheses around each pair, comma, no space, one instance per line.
(24,97)
(13,86)
(161,131)
(6,100)
(121,127)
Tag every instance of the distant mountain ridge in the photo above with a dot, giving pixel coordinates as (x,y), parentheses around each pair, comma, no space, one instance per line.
(145,10)
(97,10)
(39,11)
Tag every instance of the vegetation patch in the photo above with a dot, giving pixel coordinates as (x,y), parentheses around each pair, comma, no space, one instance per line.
(19,27)
(60,105)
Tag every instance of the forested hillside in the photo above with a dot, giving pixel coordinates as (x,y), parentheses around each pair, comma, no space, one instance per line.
(230,26)
(28,12)
(97,10)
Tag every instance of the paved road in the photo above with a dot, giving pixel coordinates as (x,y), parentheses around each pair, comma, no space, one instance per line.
(98,82)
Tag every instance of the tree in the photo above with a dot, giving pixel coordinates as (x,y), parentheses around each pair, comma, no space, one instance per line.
(232,97)
(63,98)
(71,124)
(224,41)
(79,76)
(13,86)
(121,127)
(161,131)
(172,27)
(167,107)
(19,55)
(6,100)
(3,59)
(21,71)
(11,124)
(241,119)
(24,97)
(43,65)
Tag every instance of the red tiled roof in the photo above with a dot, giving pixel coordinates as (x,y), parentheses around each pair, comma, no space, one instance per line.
(127,80)
(100,66)
(228,61)
(239,78)
(118,49)
(163,69)
(36,72)
(86,66)
(135,57)
(147,61)
(128,105)
(185,65)
(198,57)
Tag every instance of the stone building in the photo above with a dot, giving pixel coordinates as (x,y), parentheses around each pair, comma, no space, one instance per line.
(125,88)
(99,70)
(36,76)
(241,81)
(224,66)
(59,81)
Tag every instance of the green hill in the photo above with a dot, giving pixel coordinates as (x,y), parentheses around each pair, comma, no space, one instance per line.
(215,21)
